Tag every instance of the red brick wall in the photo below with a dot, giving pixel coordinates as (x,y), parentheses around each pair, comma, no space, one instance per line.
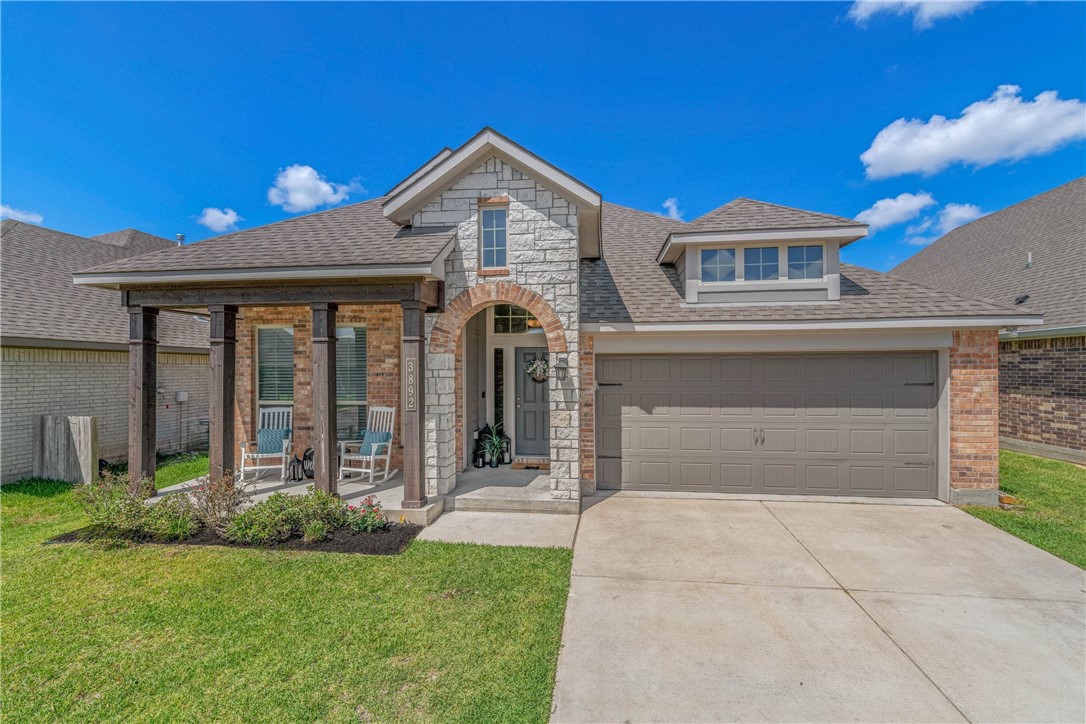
(384,324)
(588,414)
(974,410)
(1042,391)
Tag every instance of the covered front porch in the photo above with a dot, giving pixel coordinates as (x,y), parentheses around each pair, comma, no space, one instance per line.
(315,315)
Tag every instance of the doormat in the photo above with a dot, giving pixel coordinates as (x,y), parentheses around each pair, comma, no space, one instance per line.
(527,465)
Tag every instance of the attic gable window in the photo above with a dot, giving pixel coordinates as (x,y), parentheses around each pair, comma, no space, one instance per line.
(761,263)
(492,247)
(718,265)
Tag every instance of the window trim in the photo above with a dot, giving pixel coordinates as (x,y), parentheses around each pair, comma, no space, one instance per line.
(260,402)
(355,403)
(493,206)
(782,268)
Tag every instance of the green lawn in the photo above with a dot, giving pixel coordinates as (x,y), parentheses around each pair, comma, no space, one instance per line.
(94,632)
(173,469)
(1054,493)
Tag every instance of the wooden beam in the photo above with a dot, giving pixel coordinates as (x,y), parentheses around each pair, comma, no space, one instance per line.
(325,453)
(278,294)
(412,374)
(142,394)
(224,338)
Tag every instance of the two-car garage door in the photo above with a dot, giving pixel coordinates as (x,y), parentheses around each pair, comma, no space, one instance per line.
(815,424)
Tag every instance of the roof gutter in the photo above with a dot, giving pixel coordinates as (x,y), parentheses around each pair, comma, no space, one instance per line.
(812,326)
(1013,332)
(38,343)
(114,280)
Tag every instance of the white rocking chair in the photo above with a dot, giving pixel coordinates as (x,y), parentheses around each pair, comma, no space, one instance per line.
(374,447)
(271,449)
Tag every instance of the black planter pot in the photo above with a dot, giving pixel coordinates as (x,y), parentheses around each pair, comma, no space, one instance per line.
(494,462)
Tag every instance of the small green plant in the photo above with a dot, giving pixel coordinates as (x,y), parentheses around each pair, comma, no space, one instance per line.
(172,518)
(315,531)
(282,517)
(109,504)
(216,502)
(367,517)
(493,446)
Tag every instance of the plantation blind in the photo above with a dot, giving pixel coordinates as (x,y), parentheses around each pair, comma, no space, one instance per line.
(351,364)
(275,364)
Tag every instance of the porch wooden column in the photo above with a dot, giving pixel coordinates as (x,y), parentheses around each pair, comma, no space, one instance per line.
(325,452)
(224,339)
(142,393)
(412,373)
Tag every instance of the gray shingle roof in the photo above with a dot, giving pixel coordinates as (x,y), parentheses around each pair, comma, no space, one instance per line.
(627,285)
(351,235)
(988,257)
(750,215)
(39,301)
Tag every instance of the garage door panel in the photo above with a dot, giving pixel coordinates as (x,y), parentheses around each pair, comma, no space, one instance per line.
(805,424)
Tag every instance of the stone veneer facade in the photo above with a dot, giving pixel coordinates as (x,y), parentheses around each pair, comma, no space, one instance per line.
(1042,396)
(974,417)
(383,323)
(542,257)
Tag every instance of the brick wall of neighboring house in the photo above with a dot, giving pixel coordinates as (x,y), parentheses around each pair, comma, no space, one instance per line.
(588,415)
(1042,395)
(974,416)
(37,381)
(383,323)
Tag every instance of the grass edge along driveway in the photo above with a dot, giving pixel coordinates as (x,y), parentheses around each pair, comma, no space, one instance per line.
(164,633)
(1054,493)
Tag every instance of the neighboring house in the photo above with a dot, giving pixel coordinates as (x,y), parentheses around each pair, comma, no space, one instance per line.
(1032,255)
(734,354)
(65,347)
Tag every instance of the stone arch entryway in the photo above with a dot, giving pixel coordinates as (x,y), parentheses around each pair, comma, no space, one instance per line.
(446,453)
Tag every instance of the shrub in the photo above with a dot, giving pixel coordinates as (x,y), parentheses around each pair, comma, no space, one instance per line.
(172,518)
(108,503)
(282,517)
(216,502)
(315,531)
(367,517)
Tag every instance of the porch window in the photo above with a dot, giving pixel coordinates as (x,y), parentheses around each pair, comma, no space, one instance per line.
(493,237)
(761,263)
(511,319)
(805,262)
(350,382)
(275,367)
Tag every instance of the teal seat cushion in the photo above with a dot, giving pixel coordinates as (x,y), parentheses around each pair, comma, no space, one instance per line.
(270,442)
(373,443)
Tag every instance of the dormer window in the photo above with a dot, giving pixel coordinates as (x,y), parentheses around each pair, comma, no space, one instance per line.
(718,265)
(761,263)
(805,262)
(493,236)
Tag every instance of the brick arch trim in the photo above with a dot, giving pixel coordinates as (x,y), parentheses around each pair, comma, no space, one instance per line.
(446,331)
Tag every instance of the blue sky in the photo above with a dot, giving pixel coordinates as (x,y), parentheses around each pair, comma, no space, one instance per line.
(144,115)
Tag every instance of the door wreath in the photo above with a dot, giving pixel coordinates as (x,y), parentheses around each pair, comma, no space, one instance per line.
(537,369)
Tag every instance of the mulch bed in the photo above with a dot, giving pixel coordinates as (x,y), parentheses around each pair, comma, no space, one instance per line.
(389,542)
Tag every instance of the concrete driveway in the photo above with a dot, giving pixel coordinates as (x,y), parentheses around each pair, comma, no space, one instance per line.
(711,610)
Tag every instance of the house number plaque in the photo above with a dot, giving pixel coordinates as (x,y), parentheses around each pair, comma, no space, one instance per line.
(410,371)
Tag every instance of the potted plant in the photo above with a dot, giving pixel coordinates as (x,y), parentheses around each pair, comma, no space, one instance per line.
(492,445)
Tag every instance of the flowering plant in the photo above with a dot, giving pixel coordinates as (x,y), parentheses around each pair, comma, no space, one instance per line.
(367,516)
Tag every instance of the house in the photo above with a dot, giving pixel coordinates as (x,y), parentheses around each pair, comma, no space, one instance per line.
(1031,255)
(734,354)
(65,347)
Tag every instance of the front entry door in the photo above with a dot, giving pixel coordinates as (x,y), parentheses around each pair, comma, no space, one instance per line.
(532,436)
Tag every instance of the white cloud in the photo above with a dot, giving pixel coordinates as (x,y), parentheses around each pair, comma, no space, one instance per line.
(219,219)
(30,217)
(301,188)
(924,12)
(885,213)
(952,216)
(671,209)
(923,226)
(1003,127)
(919,240)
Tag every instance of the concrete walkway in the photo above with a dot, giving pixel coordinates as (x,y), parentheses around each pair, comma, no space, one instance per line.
(698,611)
(535,530)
